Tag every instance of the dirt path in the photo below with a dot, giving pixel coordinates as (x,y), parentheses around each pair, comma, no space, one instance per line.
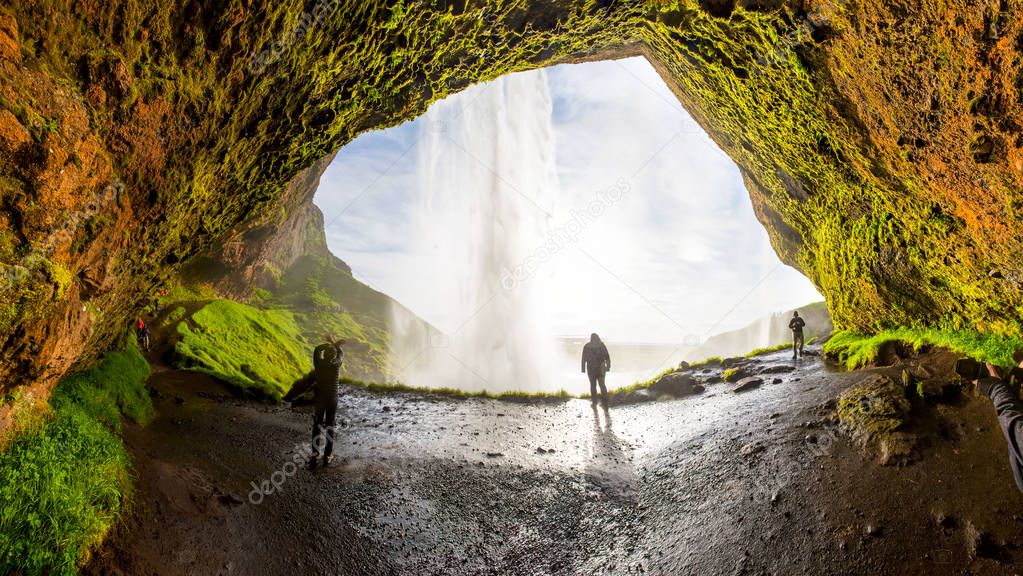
(721,483)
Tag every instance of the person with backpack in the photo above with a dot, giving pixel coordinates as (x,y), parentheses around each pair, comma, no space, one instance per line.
(796,325)
(327,359)
(596,362)
(142,333)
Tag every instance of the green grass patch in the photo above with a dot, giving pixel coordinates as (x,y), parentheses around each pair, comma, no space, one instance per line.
(174,316)
(854,349)
(397,387)
(110,389)
(713,360)
(259,351)
(64,484)
(768,349)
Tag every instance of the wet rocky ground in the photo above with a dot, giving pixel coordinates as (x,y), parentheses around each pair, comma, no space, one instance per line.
(759,481)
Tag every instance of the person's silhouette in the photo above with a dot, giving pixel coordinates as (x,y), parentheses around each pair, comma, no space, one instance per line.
(796,325)
(596,362)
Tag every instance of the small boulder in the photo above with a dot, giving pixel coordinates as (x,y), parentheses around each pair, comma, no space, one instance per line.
(871,412)
(676,384)
(893,352)
(734,374)
(683,365)
(751,449)
(748,383)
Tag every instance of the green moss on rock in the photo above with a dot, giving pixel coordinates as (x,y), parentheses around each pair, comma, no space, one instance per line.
(873,412)
(855,349)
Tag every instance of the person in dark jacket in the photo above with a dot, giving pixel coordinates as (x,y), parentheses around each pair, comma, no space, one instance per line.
(1009,410)
(596,362)
(327,359)
(796,325)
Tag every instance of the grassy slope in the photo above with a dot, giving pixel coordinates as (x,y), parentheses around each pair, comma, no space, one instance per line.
(393,388)
(855,349)
(66,477)
(264,346)
(257,350)
(326,298)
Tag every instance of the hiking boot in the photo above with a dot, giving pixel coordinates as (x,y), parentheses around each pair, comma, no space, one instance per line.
(311,464)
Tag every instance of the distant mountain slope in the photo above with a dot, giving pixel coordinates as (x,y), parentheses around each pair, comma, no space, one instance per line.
(326,297)
(767,331)
(285,264)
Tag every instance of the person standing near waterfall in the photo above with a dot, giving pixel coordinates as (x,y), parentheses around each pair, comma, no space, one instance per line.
(596,362)
(796,325)
(327,358)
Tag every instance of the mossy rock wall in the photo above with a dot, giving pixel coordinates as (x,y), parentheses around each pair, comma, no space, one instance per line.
(880,141)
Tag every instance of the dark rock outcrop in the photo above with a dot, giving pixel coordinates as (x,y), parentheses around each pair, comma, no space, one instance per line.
(677,384)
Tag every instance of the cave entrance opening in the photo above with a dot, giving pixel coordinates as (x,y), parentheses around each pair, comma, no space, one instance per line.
(520,215)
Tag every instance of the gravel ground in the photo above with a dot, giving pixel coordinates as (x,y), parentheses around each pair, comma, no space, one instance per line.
(757,482)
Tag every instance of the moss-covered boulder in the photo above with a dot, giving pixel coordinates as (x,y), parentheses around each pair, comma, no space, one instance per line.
(873,413)
(676,384)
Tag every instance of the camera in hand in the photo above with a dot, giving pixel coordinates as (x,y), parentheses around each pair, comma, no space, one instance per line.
(970,369)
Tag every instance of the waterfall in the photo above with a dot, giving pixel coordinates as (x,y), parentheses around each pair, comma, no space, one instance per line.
(487,188)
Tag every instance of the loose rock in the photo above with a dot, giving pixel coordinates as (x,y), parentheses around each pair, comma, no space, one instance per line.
(748,383)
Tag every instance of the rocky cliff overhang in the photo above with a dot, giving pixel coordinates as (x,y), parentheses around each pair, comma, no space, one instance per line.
(880,140)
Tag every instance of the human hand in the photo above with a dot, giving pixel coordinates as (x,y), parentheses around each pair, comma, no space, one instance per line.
(992,370)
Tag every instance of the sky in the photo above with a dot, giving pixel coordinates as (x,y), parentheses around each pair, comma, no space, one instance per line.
(675,257)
